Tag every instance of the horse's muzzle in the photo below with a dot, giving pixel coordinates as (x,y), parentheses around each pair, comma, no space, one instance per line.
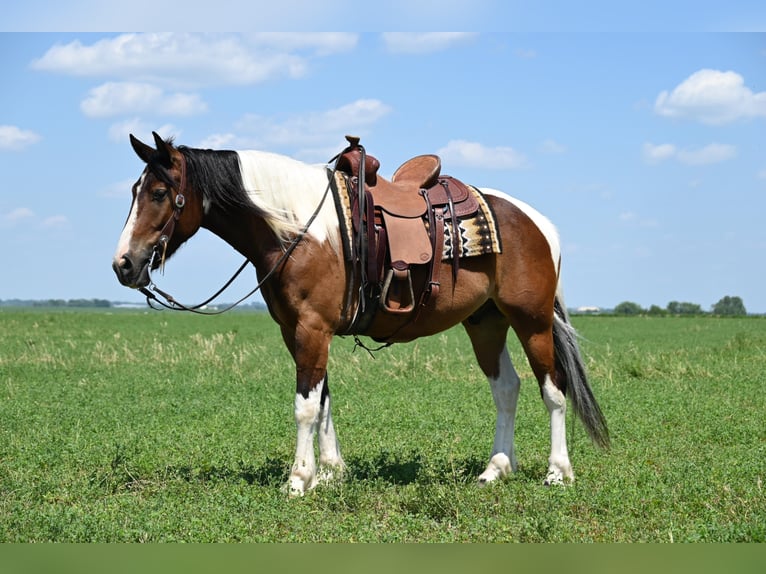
(131,274)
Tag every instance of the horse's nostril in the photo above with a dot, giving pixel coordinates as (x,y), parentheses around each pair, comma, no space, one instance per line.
(126,263)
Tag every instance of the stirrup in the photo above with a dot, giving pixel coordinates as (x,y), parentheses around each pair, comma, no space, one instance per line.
(398,275)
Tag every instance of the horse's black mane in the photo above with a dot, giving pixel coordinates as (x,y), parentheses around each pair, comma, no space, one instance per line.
(216,174)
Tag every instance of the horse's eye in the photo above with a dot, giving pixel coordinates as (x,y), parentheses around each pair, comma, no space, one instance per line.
(159,194)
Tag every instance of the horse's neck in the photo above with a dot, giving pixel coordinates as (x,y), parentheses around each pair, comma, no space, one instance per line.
(246,232)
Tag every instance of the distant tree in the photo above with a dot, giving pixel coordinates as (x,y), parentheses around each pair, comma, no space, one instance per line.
(656,310)
(628,308)
(730,306)
(684,308)
(49,303)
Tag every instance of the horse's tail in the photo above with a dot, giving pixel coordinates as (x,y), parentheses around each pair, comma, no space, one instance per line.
(571,371)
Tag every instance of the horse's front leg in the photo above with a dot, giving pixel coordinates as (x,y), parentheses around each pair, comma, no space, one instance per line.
(313,415)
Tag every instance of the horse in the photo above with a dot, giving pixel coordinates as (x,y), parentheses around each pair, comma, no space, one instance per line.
(271,209)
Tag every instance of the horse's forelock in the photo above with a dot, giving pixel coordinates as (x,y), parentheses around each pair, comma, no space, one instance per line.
(159,171)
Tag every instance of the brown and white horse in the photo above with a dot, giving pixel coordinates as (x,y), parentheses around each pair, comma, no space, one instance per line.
(258,202)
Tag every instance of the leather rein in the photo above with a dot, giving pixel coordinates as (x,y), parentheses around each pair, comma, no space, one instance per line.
(151,290)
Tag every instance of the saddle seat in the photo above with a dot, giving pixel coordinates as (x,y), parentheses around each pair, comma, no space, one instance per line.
(421,170)
(401,196)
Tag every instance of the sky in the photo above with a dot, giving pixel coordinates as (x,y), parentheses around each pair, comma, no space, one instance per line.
(643,138)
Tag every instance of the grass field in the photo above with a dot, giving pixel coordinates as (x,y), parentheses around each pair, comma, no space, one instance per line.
(133,426)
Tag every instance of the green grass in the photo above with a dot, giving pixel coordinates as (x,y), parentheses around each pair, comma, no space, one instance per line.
(133,426)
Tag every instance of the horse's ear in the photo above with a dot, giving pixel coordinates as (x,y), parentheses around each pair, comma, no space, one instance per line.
(142,150)
(163,151)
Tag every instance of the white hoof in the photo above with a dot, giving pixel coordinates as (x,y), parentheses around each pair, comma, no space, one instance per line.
(298,485)
(559,474)
(499,466)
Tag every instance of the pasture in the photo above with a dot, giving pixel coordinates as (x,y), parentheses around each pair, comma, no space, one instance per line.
(153,426)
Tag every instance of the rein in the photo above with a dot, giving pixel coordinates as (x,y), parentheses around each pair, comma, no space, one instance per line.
(161,246)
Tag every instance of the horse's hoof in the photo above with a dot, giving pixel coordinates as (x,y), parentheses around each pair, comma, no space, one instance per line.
(499,466)
(291,490)
(296,486)
(556,478)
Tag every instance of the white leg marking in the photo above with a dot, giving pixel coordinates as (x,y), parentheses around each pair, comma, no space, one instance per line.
(312,418)
(559,467)
(303,474)
(330,459)
(505,392)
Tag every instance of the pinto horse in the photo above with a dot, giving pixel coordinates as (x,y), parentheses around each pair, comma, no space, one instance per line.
(261,202)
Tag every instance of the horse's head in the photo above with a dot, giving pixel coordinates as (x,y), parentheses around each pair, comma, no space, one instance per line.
(164,213)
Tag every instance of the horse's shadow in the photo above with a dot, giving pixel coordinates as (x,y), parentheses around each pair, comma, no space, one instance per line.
(391,468)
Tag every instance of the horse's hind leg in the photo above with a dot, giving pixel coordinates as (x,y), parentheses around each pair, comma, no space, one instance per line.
(488,332)
(539,347)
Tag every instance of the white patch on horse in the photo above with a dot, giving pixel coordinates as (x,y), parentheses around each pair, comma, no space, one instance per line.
(559,466)
(123,245)
(303,473)
(543,223)
(312,417)
(505,392)
(290,191)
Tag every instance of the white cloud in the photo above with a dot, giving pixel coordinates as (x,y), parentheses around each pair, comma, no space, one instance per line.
(320,43)
(18,214)
(709,154)
(193,59)
(121,98)
(526,53)
(627,216)
(119,132)
(657,153)
(13,138)
(712,97)
(55,222)
(222,141)
(25,216)
(713,153)
(473,154)
(552,147)
(633,219)
(302,130)
(423,43)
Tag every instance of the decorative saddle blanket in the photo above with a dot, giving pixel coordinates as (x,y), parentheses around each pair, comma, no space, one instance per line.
(477,234)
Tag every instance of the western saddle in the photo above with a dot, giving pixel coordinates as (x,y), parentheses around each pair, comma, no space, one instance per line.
(400,223)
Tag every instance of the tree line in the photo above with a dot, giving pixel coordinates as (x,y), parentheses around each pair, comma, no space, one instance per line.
(104,303)
(78,303)
(728,305)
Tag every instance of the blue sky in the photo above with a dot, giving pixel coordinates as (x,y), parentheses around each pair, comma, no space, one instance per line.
(645,148)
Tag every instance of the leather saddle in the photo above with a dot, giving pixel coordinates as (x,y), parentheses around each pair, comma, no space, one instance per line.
(400,224)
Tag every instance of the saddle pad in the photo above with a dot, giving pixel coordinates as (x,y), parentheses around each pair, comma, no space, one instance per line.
(478,234)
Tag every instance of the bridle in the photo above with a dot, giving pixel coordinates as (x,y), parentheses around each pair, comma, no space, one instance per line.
(159,250)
